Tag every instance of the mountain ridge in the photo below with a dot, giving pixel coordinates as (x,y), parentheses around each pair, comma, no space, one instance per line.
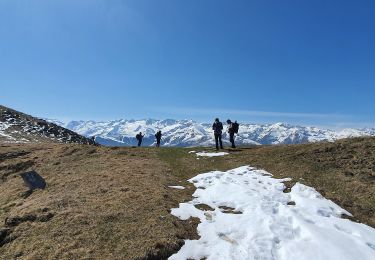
(18,127)
(186,132)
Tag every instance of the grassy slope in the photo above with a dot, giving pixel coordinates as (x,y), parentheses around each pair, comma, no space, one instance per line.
(100,203)
(114,203)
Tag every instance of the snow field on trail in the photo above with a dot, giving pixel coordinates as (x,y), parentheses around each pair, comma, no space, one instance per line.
(211,154)
(251,219)
(177,187)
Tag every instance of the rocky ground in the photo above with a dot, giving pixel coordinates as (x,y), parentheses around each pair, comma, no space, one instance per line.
(17,127)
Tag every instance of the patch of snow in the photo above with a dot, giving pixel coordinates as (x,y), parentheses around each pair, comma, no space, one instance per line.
(211,154)
(3,127)
(177,187)
(265,226)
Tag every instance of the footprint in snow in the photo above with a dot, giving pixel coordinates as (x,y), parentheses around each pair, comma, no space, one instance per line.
(324,213)
(347,231)
(228,239)
(342,229)
(208,216)
(372,246)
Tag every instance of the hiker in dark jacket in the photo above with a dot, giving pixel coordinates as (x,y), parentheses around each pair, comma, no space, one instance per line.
(139,137)
(158,138)
(232,129)
(218,130)
(231,133)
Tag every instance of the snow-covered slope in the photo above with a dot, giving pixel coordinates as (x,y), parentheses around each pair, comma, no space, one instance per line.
(17,127)
(190,133)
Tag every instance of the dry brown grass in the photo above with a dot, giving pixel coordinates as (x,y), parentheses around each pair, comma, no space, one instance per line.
(100,203)
(114,203)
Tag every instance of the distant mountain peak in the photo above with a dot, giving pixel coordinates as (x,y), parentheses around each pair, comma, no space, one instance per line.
(191,133)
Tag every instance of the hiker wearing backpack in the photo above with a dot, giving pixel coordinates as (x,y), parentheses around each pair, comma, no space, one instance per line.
(218,130)
(232,129)
(139,137)
(158,138)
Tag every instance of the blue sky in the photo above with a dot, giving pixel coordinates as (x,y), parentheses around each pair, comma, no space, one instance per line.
(302,62)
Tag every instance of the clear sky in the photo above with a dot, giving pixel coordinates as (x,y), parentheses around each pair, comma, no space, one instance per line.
(304,62)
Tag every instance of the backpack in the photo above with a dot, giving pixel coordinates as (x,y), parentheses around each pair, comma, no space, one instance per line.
(235,127)
(138,136)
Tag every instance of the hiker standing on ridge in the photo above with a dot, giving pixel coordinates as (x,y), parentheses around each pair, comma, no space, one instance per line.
(158,138)
(139,137)
(232,129)
(218,130)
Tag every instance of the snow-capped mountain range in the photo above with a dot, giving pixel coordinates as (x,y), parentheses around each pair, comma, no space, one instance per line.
(187,133)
